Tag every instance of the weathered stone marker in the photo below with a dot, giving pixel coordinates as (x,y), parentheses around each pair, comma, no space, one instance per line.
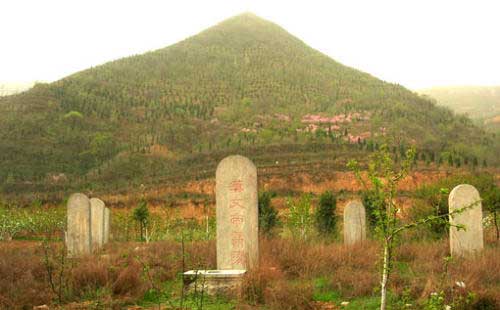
(78,232)
(97,220)
(237,229)
(470,240)
(354,223)
(237,214)
(107,223)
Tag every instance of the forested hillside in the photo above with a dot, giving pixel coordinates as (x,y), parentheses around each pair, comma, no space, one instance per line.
(481,103)
(244,85)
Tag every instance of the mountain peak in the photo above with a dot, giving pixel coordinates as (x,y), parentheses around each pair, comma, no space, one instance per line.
(247,30)
(245,21)
(246,17)
(243,83)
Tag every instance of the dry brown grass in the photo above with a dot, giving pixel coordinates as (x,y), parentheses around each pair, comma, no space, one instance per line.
(353,271)
(282,281)
(128,281)
(428,271)
(284,295)
(269,285)
(124,271)
(22,279)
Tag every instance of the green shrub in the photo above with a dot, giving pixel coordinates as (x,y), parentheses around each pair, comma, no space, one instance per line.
(300,218)
(371,199)
(268,216)
(326,219)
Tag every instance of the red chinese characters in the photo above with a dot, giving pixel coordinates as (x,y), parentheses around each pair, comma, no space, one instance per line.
(237,240)
(236,203)
(237,220)
(238,258)
(236,186)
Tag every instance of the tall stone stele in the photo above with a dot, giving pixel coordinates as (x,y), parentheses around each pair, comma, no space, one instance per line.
(97,208)
(237,214)
(468,240)
(354,223)
(78,231)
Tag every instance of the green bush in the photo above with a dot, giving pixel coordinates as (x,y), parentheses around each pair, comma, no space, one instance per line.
(268,216)
(300,219)
(326,219)
(371,199)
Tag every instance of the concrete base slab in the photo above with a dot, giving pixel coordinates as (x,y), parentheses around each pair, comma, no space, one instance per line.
(214,282)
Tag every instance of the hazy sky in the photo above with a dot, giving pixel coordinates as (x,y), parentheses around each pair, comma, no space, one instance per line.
(416,43)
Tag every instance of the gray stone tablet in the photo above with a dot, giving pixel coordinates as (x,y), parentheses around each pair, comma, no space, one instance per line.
(470,240)
(237,214)
(107,223)
(78,232)
(354,223)
(97,219)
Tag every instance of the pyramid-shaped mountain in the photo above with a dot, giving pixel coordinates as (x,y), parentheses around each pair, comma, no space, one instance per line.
(244,84)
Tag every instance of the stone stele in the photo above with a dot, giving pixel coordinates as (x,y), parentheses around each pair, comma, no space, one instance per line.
(107,223)
(470,240)
(97,219)
(354,223)
(237,214)
(78,232)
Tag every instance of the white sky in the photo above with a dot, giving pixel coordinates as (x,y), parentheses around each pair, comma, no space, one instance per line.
(418,43)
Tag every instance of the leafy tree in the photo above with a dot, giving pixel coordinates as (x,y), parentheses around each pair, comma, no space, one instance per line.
(475,162)
(73,118)
(372,200)
(102,146)
(450,160)
(268,216)
(300,218)
(141,215)
(326,219)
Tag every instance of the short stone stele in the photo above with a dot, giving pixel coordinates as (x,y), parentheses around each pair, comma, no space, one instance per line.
(354,223)
(97,220)
(468,240)
(78,232)
(107,223)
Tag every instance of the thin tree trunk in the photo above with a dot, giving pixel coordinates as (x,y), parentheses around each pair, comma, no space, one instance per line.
(385,275)
(208,227)
(183,269)
(496,224)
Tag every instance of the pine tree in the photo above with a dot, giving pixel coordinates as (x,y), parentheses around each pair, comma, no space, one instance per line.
(326,219)
(141,215)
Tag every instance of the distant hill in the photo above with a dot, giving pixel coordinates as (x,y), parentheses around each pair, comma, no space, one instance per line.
(11,88)
(481,103)
(243,86)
